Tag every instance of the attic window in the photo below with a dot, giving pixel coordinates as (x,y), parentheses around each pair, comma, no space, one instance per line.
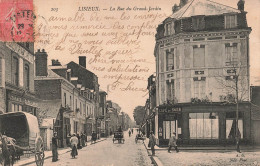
(169,28)
(230,21)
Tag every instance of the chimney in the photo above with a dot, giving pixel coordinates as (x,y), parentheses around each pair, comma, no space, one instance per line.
(41,63)
(183,2)
(174,8)
(82,61)
(55,62)
(241,5)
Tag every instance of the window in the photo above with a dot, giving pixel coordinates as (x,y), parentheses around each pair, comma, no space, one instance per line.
(65,102)
(168,128)
(26,77)
(170,90)
(80,108)
(204,125)
(169,60)
(231,54)
(27,45)
(70,101)
(169,28)
(230,21)
(231,125)
(199,56)
(15,71)
(198,23)
(199,89)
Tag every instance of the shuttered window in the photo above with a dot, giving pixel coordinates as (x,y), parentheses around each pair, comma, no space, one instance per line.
(230,21)
(15,71)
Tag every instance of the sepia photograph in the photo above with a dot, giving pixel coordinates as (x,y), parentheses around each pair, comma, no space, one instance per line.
(129,83)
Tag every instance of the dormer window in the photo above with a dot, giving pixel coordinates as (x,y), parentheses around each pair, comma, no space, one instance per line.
(230,21)
(169,28)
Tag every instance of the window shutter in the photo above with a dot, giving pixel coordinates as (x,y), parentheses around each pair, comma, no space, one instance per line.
(1,74)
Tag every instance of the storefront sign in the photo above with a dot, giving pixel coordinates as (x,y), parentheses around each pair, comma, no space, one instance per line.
(20,51)
(170,110)
(17,99)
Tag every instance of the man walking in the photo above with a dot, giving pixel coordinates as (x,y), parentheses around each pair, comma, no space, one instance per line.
(152,142)
(54,147)
(172,143)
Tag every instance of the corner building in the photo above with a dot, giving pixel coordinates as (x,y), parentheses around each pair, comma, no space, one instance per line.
(200,49)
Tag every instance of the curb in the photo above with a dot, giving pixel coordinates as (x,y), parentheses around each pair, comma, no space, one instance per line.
(155,160)
(65,151)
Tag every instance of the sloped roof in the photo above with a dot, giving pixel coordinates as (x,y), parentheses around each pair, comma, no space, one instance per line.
(203,7)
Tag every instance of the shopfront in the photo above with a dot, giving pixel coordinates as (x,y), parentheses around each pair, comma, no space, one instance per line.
(204,124)
(168,122)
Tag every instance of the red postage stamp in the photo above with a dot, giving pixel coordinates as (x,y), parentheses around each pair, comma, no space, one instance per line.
(16,20)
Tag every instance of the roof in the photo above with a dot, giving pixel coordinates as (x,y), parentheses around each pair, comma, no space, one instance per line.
(203,7)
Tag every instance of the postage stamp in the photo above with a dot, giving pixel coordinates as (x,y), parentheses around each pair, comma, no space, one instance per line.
(16,20)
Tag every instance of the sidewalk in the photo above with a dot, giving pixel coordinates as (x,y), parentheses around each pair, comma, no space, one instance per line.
(227,154)
(48,154)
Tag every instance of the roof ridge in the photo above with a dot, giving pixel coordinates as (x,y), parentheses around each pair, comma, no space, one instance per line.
(221,4)
(187,8)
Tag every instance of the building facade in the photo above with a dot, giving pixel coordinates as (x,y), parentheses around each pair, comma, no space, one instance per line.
(17,78)
(64,100)
(202,53)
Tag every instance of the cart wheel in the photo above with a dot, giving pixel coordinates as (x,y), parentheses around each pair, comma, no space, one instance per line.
(39,151)
(39,158)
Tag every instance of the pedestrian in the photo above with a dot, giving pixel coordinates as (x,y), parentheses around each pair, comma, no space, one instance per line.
(79,142)
(238,137)
(74,143)
(68,139)
(173,143)
(152,142)
(54,147)
(83,138)
(93,137)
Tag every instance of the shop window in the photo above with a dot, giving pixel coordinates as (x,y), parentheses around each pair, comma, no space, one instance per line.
(80,108)
(231,54)
(26,77)
(199,89)
(230,21)
(199,56)
(170,90)
(169,60)
(231,125)
(204,126)
(168,128)
(15,71)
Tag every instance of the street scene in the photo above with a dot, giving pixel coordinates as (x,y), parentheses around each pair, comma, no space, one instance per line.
(103,84)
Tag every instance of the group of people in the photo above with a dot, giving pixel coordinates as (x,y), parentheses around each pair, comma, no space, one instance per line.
(172,143)
(75,141)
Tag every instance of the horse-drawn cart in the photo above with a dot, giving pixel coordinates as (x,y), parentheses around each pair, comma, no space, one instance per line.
(20,134)
(119,136)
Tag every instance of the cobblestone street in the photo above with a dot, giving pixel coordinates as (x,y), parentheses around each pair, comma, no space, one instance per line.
(106,153)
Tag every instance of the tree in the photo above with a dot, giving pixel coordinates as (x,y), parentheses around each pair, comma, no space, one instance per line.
(236,84)
(139,113)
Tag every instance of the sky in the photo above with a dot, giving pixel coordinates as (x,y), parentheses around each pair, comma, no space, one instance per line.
(135,59)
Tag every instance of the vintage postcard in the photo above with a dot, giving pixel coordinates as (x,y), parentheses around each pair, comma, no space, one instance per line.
(135,83)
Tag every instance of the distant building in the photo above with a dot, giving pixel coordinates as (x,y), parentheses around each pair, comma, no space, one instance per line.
(199,51)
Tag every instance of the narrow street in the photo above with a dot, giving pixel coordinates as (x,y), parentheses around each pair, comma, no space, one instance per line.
(106,153)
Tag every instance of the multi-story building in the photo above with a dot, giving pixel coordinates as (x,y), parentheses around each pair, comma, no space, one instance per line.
(112,117)
(102,116)
(82,77)
(201,51)
(64,100)
(17,78)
